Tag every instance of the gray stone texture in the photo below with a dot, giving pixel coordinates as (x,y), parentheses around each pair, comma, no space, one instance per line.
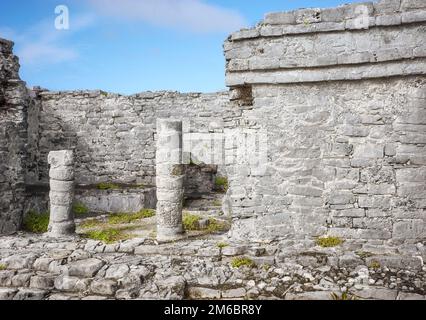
(14,100)
(61,222)
(344,112)
(170,177)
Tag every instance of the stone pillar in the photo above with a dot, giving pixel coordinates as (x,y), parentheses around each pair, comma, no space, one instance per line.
(61,193)
(170,176)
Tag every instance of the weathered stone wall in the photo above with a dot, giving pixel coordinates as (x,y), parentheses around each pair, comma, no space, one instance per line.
(113,135)
(13,103)
(342,95)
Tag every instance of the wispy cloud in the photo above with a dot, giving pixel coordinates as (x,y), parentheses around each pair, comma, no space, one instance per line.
(190,15)
(42,44)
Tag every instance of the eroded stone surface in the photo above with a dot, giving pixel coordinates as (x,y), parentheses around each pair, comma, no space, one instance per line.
(173,272)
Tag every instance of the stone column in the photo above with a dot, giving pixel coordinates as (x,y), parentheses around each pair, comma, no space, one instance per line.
(61,193)
(170,176)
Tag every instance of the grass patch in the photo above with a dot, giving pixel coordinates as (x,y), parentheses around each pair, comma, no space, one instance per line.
(216,226)
(108,235)
(242,261)
(374,265)
(344,296)
(2,267)
(327,242)
(36,222)
(222,245)
(80,209)
(221,183)
(107,186)
(190,221)
(91,223)
(122,218)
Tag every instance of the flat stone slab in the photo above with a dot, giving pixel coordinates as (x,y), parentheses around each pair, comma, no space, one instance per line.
(85,268)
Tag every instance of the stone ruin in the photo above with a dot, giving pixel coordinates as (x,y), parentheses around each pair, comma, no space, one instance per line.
(330,102)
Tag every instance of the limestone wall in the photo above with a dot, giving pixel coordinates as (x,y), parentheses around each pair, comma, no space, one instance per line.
(13,103)
(342,95)
(113,135)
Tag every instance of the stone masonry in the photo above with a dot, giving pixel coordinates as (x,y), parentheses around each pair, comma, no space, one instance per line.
(61,193)
(14,100)
(340,93)
(170,176)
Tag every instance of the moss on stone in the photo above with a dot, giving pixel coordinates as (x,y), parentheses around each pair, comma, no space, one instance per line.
(177,170)
(374,265)
(327,242)
(221,183)
(266,267)
(2,267)
(107,186)
(36,222)
(122,218)
(242,261)
(80,209)
(217,203)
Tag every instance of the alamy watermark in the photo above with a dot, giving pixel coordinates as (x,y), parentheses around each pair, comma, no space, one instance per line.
(62,20)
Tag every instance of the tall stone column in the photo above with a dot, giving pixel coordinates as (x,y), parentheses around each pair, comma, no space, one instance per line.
(170,176)
(61,193)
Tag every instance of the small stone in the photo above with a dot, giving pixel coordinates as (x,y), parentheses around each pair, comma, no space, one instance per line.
(234,293)
(104,287)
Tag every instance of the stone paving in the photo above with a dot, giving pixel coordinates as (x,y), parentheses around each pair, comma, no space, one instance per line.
(37,267)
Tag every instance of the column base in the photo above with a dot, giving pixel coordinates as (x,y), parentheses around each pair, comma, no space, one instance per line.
(61,229)
(167,234)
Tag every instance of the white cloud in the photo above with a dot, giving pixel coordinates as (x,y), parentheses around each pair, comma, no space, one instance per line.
(41,53)
(42,44)
(191,15)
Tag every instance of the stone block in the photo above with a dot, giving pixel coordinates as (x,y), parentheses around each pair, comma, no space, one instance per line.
(104,287)
(280,18)
(62,173)
(409,229)
(85,268)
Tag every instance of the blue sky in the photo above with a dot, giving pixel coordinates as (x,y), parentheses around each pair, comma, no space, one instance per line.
(130,46)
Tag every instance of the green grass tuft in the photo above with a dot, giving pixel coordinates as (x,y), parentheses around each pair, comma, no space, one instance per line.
(327,242)
(221,183)
(121,218)
(344,296)
(2,267)
(108,235)
(242,261)
(36,222)
(107,186)
(216,226)
(80,209)
(190,221)
(222,245)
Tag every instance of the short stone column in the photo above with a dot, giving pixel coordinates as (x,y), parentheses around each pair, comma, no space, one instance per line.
(170,176)
(61,193)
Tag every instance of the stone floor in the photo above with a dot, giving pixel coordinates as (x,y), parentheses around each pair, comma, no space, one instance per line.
(36,267)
